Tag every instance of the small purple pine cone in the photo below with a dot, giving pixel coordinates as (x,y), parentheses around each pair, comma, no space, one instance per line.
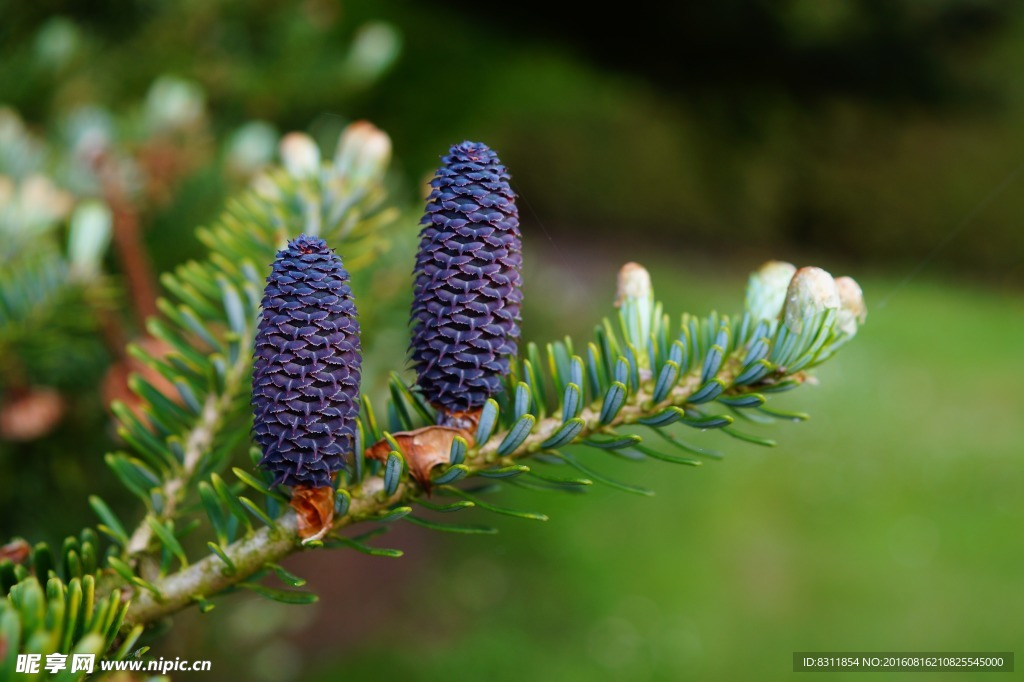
(305,384)
(466,295)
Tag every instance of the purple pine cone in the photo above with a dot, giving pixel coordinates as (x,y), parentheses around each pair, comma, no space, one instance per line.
(305,384)
(466,296)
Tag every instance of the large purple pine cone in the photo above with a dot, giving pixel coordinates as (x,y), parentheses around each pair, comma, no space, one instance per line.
(466,296)
(305,383)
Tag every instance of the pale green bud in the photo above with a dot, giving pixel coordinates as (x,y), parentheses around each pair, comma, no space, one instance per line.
(89,237)
(766,289)
(811,292)
(635,300)
(300,155)
(174,104)
(852,310)
(363,153)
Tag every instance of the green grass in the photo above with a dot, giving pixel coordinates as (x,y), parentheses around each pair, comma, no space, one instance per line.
(890,521)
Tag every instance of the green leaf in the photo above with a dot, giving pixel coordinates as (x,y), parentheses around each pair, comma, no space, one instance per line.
(452,527)
(739,435)
(258,485)
(781,414)
(237,317)
(755,372)
(450,475)
(505,472)
(256,511)
(161,404)
(283,596)
(126,573)
(686,447)
(393,472)
(626,441)
(229,565)
(744,400)
(393,514)
(665,457)
(517,434)
(167,538)
(667,379)
(230,500)
(614,399)
(457,453)
(636,490)
(488,421)
(215,512)
(701,421)
(286,577)
(446,508)
(339,541)
(533,516)
(565,434)
(572,402)
(707,392)
(111,524)
(522,400)
(669,415)
(135,475)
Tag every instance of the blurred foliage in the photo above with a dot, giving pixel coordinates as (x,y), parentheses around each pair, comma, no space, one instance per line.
(864,129)
(102,116)
(868,127)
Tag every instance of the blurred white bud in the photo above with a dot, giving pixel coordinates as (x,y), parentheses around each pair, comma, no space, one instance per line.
(41,202)
(364,152)
(766,289)
(251,147)
(635,300)
(90,133)
(811,292)
(173,104)
(266,188)
(634,283)
(374,49)
(57,42)
(88,238)
(852,310)
(300,155)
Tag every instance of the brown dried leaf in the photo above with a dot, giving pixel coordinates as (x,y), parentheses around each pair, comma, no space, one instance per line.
(16,550)
(30,415)
(423,449)
(314,508)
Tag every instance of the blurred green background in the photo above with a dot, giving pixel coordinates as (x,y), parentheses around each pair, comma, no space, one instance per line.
(877,139)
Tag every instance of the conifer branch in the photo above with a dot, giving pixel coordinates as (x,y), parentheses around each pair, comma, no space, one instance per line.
(271,544)
(198,442)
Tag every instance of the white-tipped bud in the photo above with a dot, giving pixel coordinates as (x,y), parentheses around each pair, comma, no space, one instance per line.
(174,104)
(364,152)
(852,310)
(375,47)
(89,237)
(251,147)
(634,282)
(766,289)
(811,292)
(266,188)
(300,155)
(635,300)
(41,202)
